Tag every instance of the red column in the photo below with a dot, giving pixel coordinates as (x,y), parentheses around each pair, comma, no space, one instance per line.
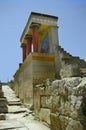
(23,51)
(35,27)
(28,39)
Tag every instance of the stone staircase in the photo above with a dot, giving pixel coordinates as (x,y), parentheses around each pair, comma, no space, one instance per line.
(10,106)
(17,117)
(65,54)
(3,104)
(83,72)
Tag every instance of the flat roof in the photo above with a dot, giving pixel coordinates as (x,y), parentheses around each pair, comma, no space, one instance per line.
(45,15)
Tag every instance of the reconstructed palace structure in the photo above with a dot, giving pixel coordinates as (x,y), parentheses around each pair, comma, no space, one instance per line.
(49,78)
(42,57)
(37,42)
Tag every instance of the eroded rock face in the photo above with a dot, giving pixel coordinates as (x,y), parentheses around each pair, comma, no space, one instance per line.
(68,110)
(64,101)
(71,70)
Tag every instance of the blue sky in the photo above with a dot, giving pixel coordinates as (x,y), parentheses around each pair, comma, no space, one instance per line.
(14,15)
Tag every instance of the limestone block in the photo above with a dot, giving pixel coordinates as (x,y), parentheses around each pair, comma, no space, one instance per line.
(55,122)
(44,115)
(69,71)
(69,104)
(55,104)
(74,125)
(65,86)
(46,101)
(64,120)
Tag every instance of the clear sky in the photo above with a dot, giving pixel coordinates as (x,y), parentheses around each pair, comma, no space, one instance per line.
(14,15)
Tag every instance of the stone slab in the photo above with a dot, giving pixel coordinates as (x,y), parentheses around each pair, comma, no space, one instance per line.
(16,109)
(44,115)
(10,124)
(11,116)
(22,124)
(14,103)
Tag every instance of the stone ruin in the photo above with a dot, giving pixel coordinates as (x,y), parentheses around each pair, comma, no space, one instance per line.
(49,78)
(62,103)
(68,65)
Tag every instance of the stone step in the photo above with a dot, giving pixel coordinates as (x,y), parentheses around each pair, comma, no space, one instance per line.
(63,51)
(0,86)
(2,116)
(1,90)
(83,72)
(16,115)
(4,109)
(3,105)
(14,103)
(3,102)
(11,125)
(1,94)
(16,109)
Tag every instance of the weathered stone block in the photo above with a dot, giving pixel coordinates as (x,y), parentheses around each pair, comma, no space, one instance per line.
(55,122)
(64,120)
(69,71)
(44,115)
(2,116)
(46,101)
(74,125)
(69,103)
(3,102)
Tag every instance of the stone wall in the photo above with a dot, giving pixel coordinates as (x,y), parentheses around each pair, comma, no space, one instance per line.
(62,103)
(42,101)
(67,65)
(36,68)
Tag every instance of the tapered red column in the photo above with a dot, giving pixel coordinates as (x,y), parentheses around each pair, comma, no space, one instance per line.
(23,51)
(28,39)
(35,27)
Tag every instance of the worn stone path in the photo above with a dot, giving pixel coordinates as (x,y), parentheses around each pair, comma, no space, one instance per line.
(18,117)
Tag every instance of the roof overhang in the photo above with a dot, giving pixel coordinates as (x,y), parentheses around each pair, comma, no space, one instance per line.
(42,19)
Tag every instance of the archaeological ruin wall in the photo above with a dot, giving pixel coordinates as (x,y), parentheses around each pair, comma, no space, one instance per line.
(49,78)
(62,103)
